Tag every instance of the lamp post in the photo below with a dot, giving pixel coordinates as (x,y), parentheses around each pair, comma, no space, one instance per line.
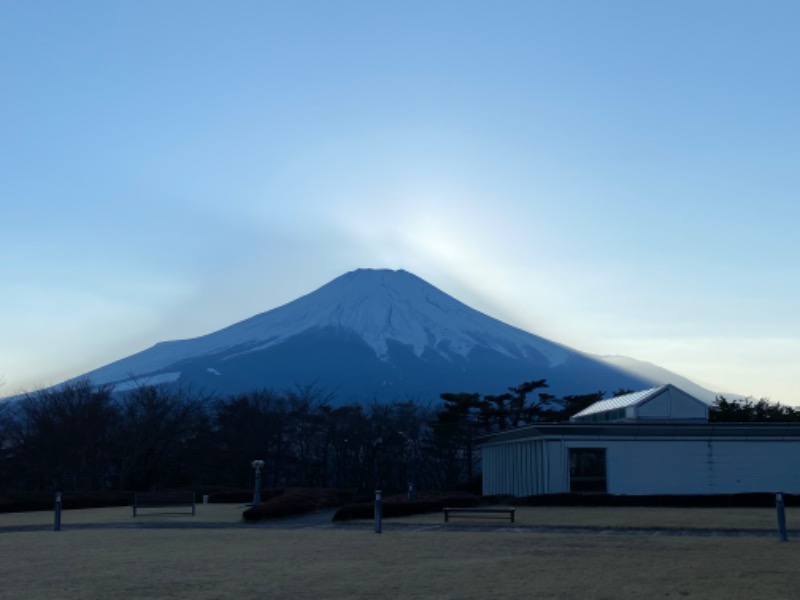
(257,465)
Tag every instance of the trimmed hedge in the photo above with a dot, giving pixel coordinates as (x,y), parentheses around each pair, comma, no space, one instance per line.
(291,502)
(240,496)
(33,501)
(399,506)
(750,500)
(296,501)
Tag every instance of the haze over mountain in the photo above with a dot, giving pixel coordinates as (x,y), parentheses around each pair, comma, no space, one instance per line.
(378,334)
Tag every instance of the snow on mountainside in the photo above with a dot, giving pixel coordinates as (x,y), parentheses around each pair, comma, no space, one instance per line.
(378,306)
(372,334)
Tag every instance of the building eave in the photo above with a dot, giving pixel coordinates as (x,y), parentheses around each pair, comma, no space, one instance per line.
(641,430)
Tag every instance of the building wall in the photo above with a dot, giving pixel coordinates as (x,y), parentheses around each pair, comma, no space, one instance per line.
(672,404)
(518,468)
(703,467)
(657,467)
(639,467)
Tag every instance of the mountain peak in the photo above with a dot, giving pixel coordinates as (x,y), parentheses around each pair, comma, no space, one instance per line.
(369,333)
(382,305)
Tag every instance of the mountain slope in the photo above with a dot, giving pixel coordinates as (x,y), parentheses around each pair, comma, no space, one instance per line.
(371,334)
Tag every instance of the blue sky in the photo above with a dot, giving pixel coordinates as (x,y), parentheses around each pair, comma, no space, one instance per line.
(621,177)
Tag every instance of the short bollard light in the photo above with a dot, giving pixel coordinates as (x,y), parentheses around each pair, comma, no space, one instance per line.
(57,513)
(257,465)
(378,510)
(779,507)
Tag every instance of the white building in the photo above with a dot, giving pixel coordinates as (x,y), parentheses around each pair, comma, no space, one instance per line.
(657,441)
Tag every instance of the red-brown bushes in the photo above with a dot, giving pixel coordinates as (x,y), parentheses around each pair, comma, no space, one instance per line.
(399,506)
(240,496)
(295,501)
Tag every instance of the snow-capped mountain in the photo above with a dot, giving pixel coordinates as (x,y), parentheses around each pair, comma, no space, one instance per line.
(372,334)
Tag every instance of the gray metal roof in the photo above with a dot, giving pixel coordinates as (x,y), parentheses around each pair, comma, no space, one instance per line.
(624,401)
(673,431)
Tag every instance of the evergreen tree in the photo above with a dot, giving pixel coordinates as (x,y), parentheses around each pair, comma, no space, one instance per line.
(747,410)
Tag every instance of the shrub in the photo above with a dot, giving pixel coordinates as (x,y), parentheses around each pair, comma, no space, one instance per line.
(240,496)
(399,506)
(32,501)
(748,500)
(295,501)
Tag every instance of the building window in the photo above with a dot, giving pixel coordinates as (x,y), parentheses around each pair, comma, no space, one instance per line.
(587,470)
(617,414)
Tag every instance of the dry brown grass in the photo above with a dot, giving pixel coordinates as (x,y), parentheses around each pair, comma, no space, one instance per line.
(634,517)
(239,561)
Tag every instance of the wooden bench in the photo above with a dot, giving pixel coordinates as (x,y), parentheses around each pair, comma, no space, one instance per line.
(479,511)
(163,500)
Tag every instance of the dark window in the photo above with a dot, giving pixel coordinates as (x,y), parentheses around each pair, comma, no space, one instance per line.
(587,470)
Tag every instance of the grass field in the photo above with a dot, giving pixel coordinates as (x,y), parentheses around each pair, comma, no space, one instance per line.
(104,553)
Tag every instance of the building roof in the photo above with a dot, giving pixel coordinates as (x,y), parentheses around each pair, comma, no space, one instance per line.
(640,430)
(624,401)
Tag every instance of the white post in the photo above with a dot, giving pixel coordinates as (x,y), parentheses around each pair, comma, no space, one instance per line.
(781,517)
(57,513)
(257,464)
(378,511)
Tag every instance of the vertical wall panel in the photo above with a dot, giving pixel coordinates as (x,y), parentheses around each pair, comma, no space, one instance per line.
(649,466)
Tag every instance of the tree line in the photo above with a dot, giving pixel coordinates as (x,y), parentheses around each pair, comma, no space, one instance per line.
(749,410)
(79,436)
(83,437)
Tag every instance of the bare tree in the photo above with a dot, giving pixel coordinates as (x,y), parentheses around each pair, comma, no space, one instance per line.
(158,426)
(64,437)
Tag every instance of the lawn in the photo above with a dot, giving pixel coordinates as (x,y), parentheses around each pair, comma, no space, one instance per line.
(222,558)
